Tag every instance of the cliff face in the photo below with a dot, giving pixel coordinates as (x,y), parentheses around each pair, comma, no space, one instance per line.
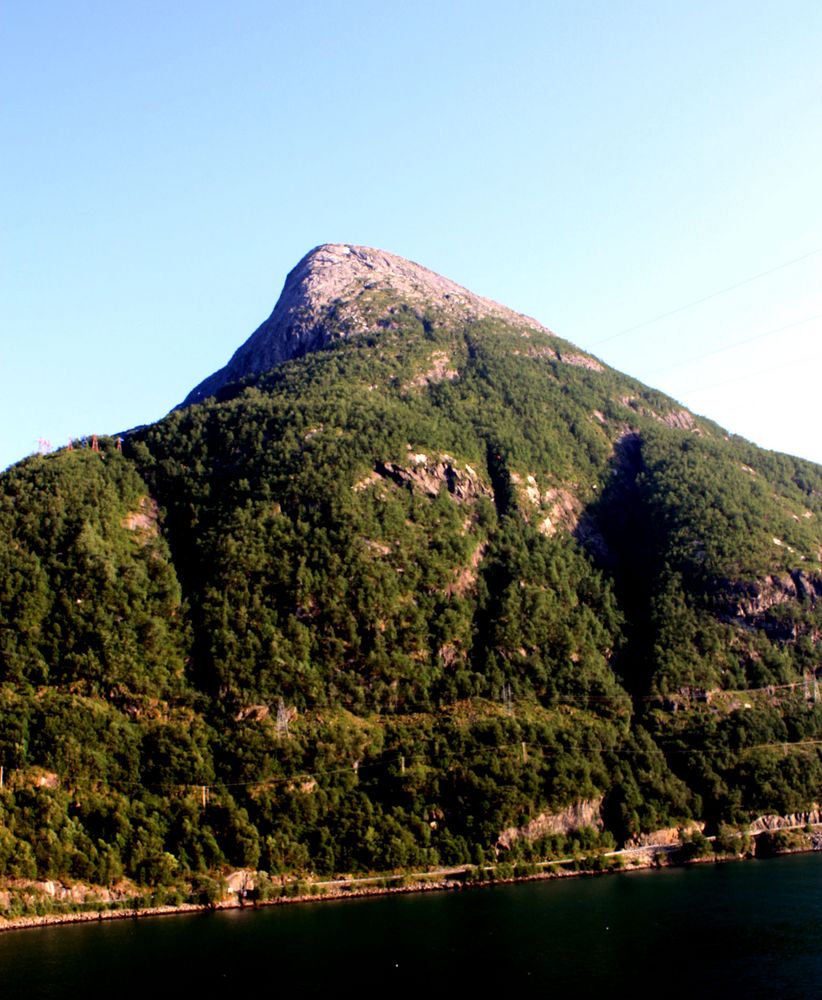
(587,813)
(332,293)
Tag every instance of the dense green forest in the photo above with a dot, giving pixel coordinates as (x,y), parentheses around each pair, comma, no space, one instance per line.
(370,610)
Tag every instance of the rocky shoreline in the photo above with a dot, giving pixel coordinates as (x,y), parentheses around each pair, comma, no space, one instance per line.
(455,880)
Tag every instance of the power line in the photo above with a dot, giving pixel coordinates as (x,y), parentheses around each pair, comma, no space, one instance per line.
(731,346)
(546,749)
(706,298)
(749,375)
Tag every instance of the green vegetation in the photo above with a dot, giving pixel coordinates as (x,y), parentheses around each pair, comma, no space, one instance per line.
(327,623)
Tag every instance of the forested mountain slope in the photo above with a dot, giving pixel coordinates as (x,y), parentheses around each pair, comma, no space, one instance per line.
(408,578)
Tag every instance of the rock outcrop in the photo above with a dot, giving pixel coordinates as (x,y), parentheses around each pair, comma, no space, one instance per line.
(587,812)
(764,824)
(752,600)
(429,475)
(668,836)
(754,603)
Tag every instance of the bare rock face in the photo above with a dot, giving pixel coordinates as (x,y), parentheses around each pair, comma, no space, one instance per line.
(587,812)
(764,824)
(144,521)
(324,297)
(750,603)
(666,837)
(428,474)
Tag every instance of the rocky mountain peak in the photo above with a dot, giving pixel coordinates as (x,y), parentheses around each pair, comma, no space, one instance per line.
(324,298)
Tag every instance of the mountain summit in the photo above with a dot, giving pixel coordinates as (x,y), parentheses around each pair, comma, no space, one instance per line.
(334,288)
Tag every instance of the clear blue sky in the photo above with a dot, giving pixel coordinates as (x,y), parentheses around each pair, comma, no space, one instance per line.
(594,164)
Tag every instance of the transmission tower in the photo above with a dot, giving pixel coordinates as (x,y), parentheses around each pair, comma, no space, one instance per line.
(508,699)
(282,719)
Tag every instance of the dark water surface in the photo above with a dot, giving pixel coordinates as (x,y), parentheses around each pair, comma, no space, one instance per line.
(750,929)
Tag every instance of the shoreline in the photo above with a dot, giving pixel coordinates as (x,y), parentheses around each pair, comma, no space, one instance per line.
(351,889)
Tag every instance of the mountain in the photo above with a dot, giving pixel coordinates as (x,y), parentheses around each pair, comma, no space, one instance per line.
(410,581)
(333,293)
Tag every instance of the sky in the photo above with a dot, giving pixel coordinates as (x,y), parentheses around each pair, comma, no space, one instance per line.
(641,177)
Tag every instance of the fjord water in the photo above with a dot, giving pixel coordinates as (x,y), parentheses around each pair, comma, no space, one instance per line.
(752,929)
